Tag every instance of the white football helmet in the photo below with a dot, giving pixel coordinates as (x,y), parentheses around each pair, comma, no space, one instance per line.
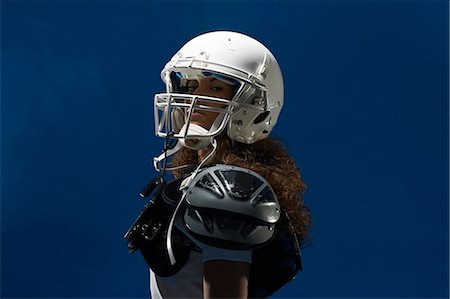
(253,111)
(235,59)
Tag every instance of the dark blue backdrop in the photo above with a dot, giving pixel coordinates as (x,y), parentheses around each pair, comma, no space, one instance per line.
(366,118)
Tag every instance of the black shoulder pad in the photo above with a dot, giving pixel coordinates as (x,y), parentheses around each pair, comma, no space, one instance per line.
(148,233)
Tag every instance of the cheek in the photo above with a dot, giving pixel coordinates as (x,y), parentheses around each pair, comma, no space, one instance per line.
(211,115)
(229,94)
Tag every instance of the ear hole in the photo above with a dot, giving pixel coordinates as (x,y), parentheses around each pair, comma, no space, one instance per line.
(261,117)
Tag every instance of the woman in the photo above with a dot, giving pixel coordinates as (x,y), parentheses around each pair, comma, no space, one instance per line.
(238,194)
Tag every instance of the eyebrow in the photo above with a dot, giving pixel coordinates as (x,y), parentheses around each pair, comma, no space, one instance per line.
(215,79)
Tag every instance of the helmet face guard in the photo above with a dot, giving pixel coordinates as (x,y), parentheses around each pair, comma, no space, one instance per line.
(175,109)
(174,112)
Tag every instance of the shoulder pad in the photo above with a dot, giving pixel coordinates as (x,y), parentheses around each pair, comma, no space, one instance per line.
(231,207)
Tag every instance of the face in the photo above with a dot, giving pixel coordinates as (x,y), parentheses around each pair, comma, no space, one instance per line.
(212,87)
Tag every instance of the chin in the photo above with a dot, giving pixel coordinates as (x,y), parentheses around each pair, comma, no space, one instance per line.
(201,124)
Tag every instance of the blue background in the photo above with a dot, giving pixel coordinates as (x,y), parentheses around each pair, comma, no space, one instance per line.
(366,119)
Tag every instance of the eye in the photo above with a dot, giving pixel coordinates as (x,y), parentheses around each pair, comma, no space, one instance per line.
(192,86)
(216,88)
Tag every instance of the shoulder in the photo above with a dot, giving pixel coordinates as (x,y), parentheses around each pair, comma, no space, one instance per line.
(231,207)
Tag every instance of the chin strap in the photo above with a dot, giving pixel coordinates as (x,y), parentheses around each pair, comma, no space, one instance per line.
(198,143)
(183,185)
(163,157)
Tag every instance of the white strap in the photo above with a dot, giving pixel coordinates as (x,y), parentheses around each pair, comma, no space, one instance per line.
(165,155)
(183,185)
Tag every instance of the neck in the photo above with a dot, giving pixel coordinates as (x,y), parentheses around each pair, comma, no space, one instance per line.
(203,153)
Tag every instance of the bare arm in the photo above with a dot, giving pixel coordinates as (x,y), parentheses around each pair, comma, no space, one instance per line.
(225,279)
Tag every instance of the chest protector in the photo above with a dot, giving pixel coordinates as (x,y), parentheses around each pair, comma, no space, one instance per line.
(223,206)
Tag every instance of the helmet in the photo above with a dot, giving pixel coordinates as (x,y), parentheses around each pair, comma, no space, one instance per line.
(235,59)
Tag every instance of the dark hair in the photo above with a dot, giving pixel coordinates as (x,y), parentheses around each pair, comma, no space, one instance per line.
(269,159)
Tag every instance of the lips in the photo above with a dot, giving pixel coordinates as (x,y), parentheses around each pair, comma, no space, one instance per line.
(197,116)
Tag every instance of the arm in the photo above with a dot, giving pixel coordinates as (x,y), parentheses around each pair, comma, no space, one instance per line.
(225,279)
(234,210)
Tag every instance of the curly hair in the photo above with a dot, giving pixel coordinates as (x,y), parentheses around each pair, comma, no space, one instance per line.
(269,159)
